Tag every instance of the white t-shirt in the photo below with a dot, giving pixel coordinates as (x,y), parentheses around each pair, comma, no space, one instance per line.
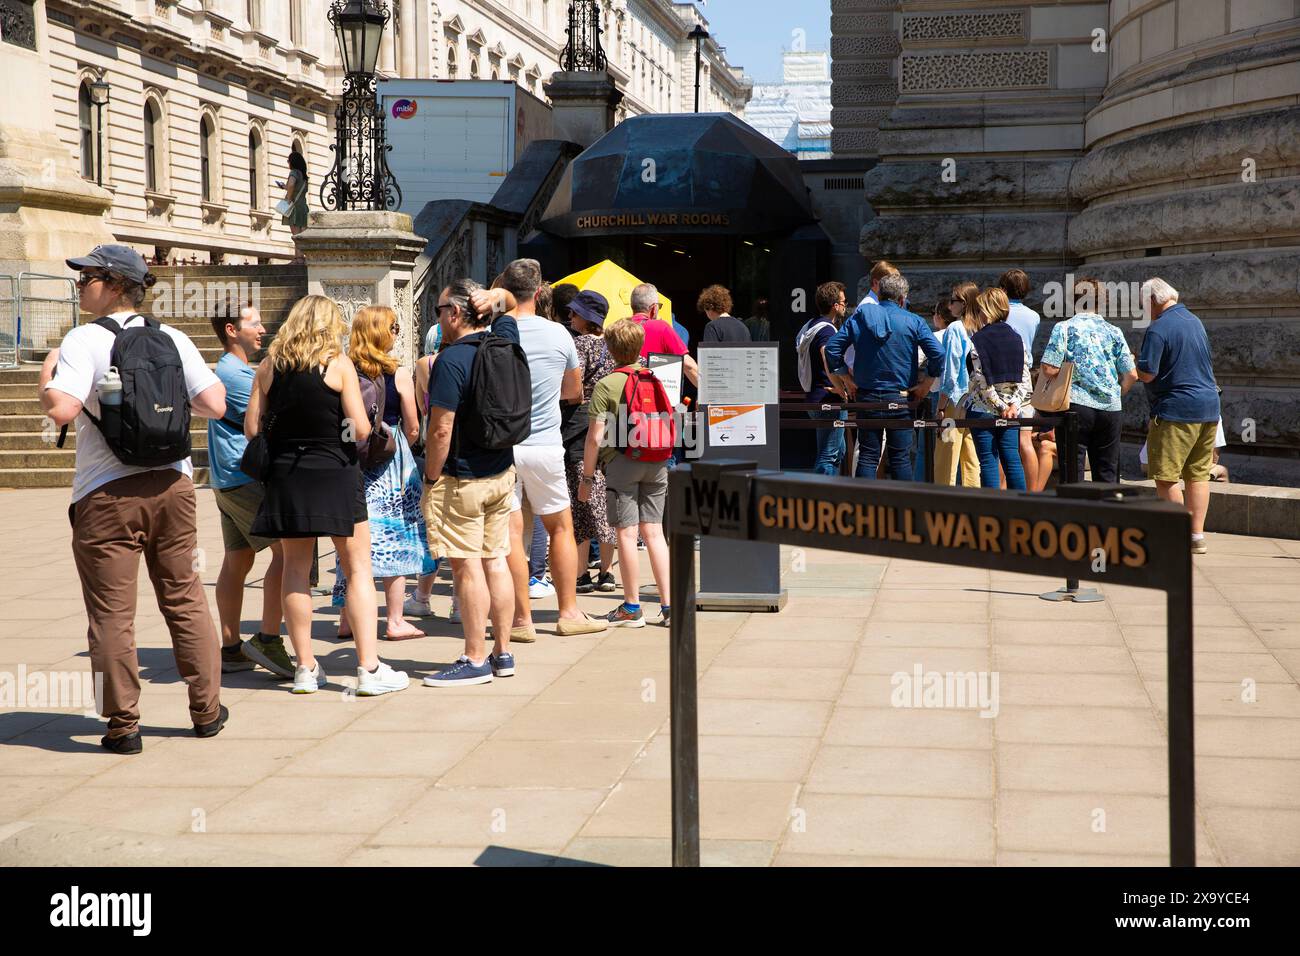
(551,353)
(83,359)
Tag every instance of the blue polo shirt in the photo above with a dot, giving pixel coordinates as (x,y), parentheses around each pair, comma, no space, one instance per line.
(885,339)
(1177,351)
(226,441)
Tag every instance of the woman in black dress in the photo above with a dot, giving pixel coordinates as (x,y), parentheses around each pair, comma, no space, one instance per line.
(307,396)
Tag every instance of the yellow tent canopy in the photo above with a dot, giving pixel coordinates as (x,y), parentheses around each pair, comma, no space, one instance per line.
(616,284)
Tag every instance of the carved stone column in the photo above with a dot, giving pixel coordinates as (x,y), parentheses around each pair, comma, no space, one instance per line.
(864,74)
(1191,175)
(365,258)
(976,154)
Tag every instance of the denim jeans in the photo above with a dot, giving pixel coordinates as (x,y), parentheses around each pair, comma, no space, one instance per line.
(537,550)
(830,444)
(998,444)
(898,441)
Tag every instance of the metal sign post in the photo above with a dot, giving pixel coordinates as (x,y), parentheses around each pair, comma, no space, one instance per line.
(1141,542)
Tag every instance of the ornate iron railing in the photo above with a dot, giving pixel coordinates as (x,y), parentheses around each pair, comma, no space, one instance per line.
(360,177)
(583,52)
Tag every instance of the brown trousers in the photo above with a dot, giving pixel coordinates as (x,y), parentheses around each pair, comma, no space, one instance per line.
(151,514)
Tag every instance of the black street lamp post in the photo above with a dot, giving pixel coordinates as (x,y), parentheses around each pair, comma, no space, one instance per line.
(100,93)
(698,34)
(360,178)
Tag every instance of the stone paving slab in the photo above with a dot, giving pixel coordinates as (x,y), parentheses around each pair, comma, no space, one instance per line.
(806,756)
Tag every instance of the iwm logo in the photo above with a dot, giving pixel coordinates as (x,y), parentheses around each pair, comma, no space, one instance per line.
(705,503)
(76,909)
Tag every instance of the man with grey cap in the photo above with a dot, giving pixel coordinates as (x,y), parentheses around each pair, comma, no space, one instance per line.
(120,512)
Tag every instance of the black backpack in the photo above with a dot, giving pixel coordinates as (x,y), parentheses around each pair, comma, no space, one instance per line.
(151,426)
(498,411)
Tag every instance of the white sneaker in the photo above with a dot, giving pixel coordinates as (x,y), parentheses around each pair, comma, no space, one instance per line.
(384,680)
(414,607)
(454,616)
(308,681)
(539,588)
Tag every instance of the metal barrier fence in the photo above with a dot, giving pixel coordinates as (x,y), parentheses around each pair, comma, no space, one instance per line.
(48,307)
(8,322)
(1145,542)
(928,428)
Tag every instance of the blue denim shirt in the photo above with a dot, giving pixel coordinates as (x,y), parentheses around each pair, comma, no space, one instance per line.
(885,339)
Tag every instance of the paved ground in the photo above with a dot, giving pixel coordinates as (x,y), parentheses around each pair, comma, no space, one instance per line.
(804,758)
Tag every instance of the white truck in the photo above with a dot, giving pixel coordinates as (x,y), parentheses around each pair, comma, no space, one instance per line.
(457,139)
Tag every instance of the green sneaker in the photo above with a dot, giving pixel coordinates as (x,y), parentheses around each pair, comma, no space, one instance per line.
(233,660)
(269,652)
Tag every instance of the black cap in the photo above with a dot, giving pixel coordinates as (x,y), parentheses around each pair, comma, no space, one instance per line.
(122,260)
(590,306)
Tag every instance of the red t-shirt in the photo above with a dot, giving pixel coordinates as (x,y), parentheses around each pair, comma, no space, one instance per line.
(659,337)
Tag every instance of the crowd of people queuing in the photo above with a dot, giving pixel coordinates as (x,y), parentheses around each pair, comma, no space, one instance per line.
(977,362)
(404,469)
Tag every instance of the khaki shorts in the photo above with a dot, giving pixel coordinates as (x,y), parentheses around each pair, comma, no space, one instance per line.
(1180,450)
(238,507)
(469,517)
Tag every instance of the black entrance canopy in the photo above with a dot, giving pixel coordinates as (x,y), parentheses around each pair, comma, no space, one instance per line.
(696,172)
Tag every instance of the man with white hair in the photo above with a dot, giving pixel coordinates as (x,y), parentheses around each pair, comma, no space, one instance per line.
(659,335)
(1175,366)
(885,339)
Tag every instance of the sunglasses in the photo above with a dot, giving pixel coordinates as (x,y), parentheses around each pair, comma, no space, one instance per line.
(86,278)
(449,305)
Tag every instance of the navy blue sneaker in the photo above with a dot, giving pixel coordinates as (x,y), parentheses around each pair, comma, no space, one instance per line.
(464,671)
(503,665)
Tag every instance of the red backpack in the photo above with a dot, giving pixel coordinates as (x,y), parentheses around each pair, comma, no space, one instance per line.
(651,424)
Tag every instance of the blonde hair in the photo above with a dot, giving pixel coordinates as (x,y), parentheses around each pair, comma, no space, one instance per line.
(311,336)
(968,292)
(883,268)
(624,339)
(371,339)
(991,305)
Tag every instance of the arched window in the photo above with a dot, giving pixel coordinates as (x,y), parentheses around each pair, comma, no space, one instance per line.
(496,74)
(473,68)
(150,146)
(86,123)
(451,61)
(256,163)
(208,159)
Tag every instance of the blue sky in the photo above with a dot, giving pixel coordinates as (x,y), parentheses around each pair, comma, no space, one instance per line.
(755,32)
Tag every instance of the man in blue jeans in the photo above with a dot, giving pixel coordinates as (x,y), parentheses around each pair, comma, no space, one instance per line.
(815,377)
(885,339)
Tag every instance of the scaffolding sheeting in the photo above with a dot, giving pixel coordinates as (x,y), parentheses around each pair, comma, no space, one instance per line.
(796,113)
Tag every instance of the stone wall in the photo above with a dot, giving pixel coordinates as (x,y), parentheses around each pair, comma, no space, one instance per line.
(864,85)
(1191,173)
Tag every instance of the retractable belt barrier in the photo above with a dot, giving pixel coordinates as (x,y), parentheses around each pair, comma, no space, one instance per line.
(929,427)
(1144,543)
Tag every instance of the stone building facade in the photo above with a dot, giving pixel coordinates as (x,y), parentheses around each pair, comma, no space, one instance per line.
(1125,139)
(209,97)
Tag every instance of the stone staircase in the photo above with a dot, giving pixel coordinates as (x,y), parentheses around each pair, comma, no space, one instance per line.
(28,456)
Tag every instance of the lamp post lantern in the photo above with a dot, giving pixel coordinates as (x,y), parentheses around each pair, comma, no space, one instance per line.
(100,94)
(360,178)
(698,34)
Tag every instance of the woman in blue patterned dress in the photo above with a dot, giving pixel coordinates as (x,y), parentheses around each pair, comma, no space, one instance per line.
(398,545)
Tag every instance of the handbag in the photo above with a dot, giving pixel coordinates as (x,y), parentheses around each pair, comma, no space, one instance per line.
(1053,394)
(381,446)
(284,207)
(257,457)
